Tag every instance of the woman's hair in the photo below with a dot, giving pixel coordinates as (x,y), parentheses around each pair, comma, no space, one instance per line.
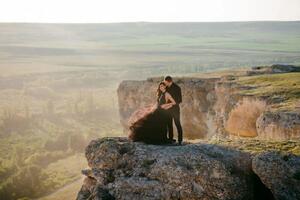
(159,92)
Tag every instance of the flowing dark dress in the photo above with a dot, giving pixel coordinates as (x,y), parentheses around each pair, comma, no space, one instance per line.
(151,124)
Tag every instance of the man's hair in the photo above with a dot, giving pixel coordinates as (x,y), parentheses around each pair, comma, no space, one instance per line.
(168,78)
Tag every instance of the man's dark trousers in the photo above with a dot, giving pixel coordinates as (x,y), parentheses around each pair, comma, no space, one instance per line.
(175,114)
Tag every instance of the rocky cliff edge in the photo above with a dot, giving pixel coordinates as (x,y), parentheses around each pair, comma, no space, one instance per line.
(121,169)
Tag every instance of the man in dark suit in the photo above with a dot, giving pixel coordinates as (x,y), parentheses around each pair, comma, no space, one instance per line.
(175,91)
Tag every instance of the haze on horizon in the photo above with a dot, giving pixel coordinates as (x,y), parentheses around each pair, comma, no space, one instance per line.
(93,11)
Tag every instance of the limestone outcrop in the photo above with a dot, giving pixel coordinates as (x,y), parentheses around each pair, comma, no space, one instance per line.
(278,125)
(280,173)
(121,169)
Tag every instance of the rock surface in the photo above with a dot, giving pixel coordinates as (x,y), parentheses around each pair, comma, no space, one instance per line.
(280,173)
(278,125)
(120,169)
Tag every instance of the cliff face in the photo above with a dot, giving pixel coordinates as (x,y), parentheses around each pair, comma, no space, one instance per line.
(278,125)
(222,106)
(280,173)
(121,169)
(205,106)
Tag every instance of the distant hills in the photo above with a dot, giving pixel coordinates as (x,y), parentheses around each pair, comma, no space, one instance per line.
(154,48)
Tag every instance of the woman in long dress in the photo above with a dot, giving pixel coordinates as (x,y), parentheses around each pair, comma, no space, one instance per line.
(150,125)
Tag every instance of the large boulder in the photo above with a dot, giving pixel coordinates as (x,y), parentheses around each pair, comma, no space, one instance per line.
(280,173)
(278,125)
(121,169)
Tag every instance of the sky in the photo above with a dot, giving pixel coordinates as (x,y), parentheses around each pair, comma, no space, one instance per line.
(99,11)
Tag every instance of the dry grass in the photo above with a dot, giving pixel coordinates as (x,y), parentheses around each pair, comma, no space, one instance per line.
(282,90)
(242,119)
(255,146)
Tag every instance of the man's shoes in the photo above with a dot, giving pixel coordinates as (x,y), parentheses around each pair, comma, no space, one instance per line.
(180,143)
(172,141)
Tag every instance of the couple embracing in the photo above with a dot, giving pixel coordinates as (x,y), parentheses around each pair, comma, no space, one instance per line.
(154,125)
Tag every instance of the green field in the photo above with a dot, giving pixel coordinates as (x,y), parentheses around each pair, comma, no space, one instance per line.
(58,84)
(281,89)
(147,48)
